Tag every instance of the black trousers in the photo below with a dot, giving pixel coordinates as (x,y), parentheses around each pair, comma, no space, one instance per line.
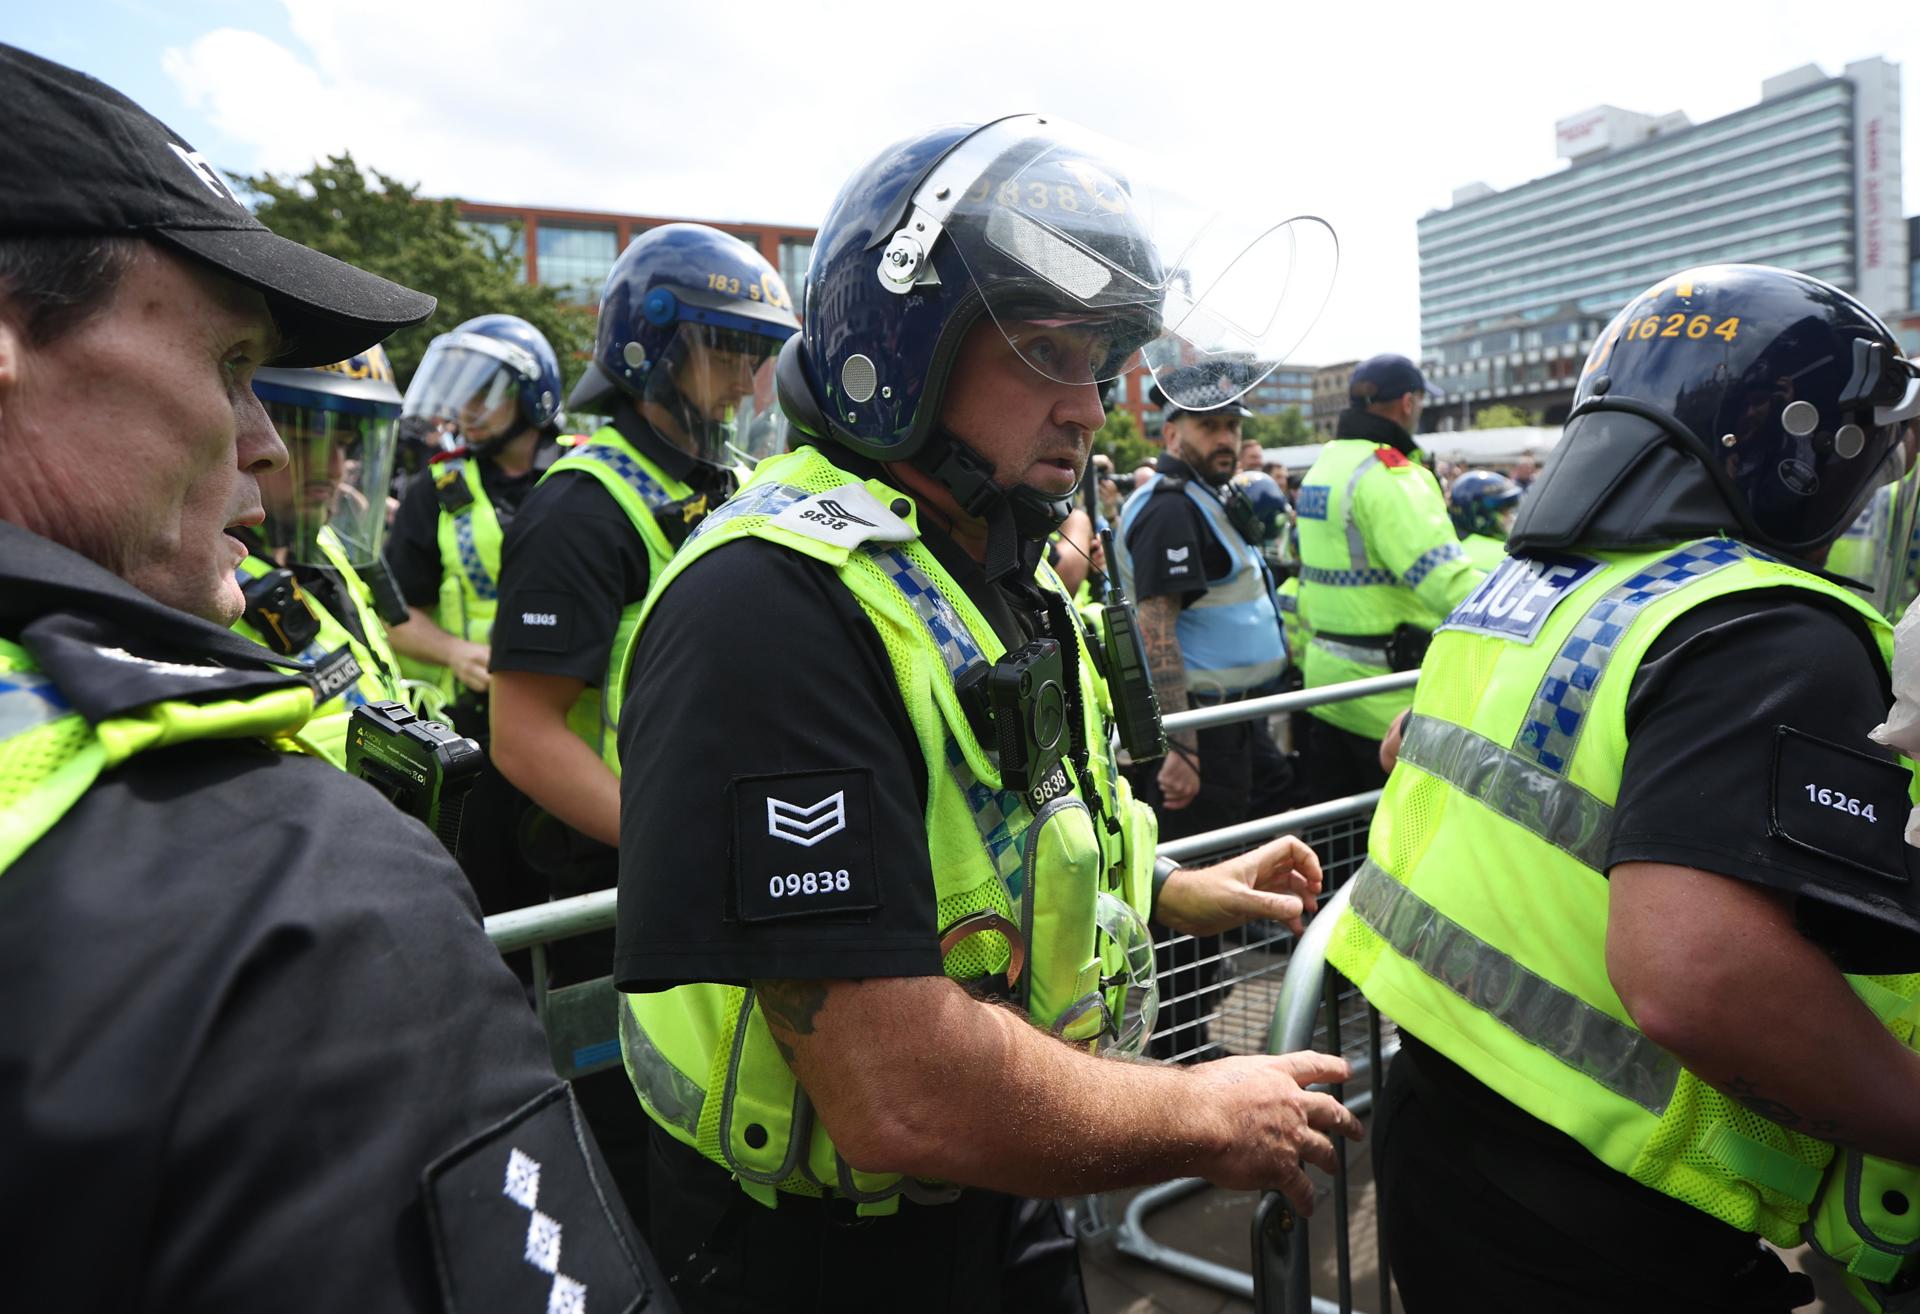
(724,1253)
(1480,1219)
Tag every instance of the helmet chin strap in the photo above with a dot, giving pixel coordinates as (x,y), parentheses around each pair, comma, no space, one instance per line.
(1014,516)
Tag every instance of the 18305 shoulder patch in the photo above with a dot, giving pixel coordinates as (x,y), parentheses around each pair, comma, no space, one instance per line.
(803,845)
(1516,599)
(523,1216)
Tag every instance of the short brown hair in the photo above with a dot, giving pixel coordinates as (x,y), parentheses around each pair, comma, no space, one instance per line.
(53,284)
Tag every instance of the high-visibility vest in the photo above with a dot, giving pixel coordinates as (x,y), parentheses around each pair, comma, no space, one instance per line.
(1478,921)
(1067,873)
(1377,551)
(642,490)
(349,673)
(50,755)
(469,535)
(1230,638)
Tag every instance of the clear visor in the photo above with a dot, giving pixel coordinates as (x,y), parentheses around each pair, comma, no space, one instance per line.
(711,394)
(1127,980)
(467,385)
(1092,261)
(339,465)
(1879,550)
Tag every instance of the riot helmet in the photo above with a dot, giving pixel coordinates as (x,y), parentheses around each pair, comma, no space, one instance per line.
(1482,502)
(339,424)
(690,321)
(1739,399)
(492,379)
(1257,507)
(1074,249)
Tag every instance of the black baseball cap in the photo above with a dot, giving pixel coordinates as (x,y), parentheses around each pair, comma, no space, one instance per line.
(1386,378)
(78,157)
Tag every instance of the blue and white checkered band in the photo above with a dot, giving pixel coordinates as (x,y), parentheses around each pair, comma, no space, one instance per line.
(1288,602)
(757,500)
(28,700)
(650,490)
(1551,730)
(479,578)
(1345,579)
(1001,816)
(1429,559)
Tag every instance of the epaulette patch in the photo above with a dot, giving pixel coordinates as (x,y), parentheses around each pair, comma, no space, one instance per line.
(1392,458)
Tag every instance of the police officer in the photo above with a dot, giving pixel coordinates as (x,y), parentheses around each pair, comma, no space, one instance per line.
(683,358)
(1380,565)
(490,392)
(326,514)
(827,877)
(1637,895)
(258,1052)
(1482,504)
(1189,555)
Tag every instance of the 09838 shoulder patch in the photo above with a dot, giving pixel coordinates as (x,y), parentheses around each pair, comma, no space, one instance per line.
(803,845)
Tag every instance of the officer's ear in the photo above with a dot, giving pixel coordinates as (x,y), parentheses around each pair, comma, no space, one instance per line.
(12,350)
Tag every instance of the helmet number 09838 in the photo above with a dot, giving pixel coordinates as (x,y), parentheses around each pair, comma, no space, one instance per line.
(799,884)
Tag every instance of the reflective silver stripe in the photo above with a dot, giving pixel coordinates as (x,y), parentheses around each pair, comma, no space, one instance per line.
(1356,541)
(768,500)
(1525,793)
(1352,652)
(674,1095)
(1541,1013)
(28,700)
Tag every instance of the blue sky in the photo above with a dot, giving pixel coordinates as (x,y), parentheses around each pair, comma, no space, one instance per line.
(755,110)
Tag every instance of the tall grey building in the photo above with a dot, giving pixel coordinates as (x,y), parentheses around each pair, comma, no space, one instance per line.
(1515,285)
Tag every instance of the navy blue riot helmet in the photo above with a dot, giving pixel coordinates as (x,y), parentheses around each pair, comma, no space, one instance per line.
(689,323)
(1480,501)
(490,380)
(1729,398)
(1057,237)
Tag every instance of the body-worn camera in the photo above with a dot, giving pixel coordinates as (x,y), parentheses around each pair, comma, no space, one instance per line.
(1019,705)
(279,612)
(425,768)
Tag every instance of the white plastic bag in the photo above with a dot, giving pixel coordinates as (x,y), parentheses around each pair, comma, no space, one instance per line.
(1901,729)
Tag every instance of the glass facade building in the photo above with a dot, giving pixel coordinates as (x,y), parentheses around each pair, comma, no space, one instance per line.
(1515,285)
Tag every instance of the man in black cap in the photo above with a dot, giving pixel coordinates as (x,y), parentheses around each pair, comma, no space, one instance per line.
(259,1053)
(1380,566)
(1211,630)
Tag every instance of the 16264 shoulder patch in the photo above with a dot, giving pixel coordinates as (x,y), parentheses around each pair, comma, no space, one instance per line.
(803,845)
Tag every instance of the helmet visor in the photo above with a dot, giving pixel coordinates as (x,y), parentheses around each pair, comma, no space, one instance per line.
(339,463)
(1093,261)
(711,394)
(1878,550)
(469,383)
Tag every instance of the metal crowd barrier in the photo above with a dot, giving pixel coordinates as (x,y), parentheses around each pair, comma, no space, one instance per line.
(1253,1004)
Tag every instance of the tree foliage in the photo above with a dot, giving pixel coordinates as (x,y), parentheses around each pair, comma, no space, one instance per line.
(1120,438)
(1287,429)
(1503,415)
(385,226)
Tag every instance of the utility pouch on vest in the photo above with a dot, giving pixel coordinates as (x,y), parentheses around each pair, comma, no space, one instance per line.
(279,612)
(1020,704)
(1867,1217)
(1407,647)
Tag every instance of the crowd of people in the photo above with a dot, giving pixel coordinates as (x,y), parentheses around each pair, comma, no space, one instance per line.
(834,649)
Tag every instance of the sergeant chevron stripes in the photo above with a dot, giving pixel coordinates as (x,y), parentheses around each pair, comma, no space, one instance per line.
(807,826)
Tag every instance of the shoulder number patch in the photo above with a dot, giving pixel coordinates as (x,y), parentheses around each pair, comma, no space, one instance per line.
(1840,803)
(803,845)
(1516,599)
(846,517)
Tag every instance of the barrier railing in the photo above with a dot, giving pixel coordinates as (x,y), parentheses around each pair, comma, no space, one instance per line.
(1258,974)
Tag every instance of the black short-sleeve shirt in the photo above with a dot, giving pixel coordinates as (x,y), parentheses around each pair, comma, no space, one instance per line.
(1174,551)
(413,539)
(763,712)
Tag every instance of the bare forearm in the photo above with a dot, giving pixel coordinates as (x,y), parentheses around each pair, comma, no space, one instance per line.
(1159,636)
(1759,1011)
(987,1100)
(420,638)
(554,767)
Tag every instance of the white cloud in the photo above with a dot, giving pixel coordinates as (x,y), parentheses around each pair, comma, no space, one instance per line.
(757,110)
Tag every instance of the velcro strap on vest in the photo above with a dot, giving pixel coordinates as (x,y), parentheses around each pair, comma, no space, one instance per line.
(1745,1157)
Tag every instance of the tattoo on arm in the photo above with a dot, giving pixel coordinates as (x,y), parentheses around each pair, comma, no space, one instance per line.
(1159,622)
(1747,1095)
(790,1008)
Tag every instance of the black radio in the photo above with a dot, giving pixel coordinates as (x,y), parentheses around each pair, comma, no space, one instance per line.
(1136,707)
(424,768)
(1019,706)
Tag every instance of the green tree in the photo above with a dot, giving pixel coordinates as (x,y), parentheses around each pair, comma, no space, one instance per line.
(1120,438)
(384,225)
(1503,415)
(1287,429)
